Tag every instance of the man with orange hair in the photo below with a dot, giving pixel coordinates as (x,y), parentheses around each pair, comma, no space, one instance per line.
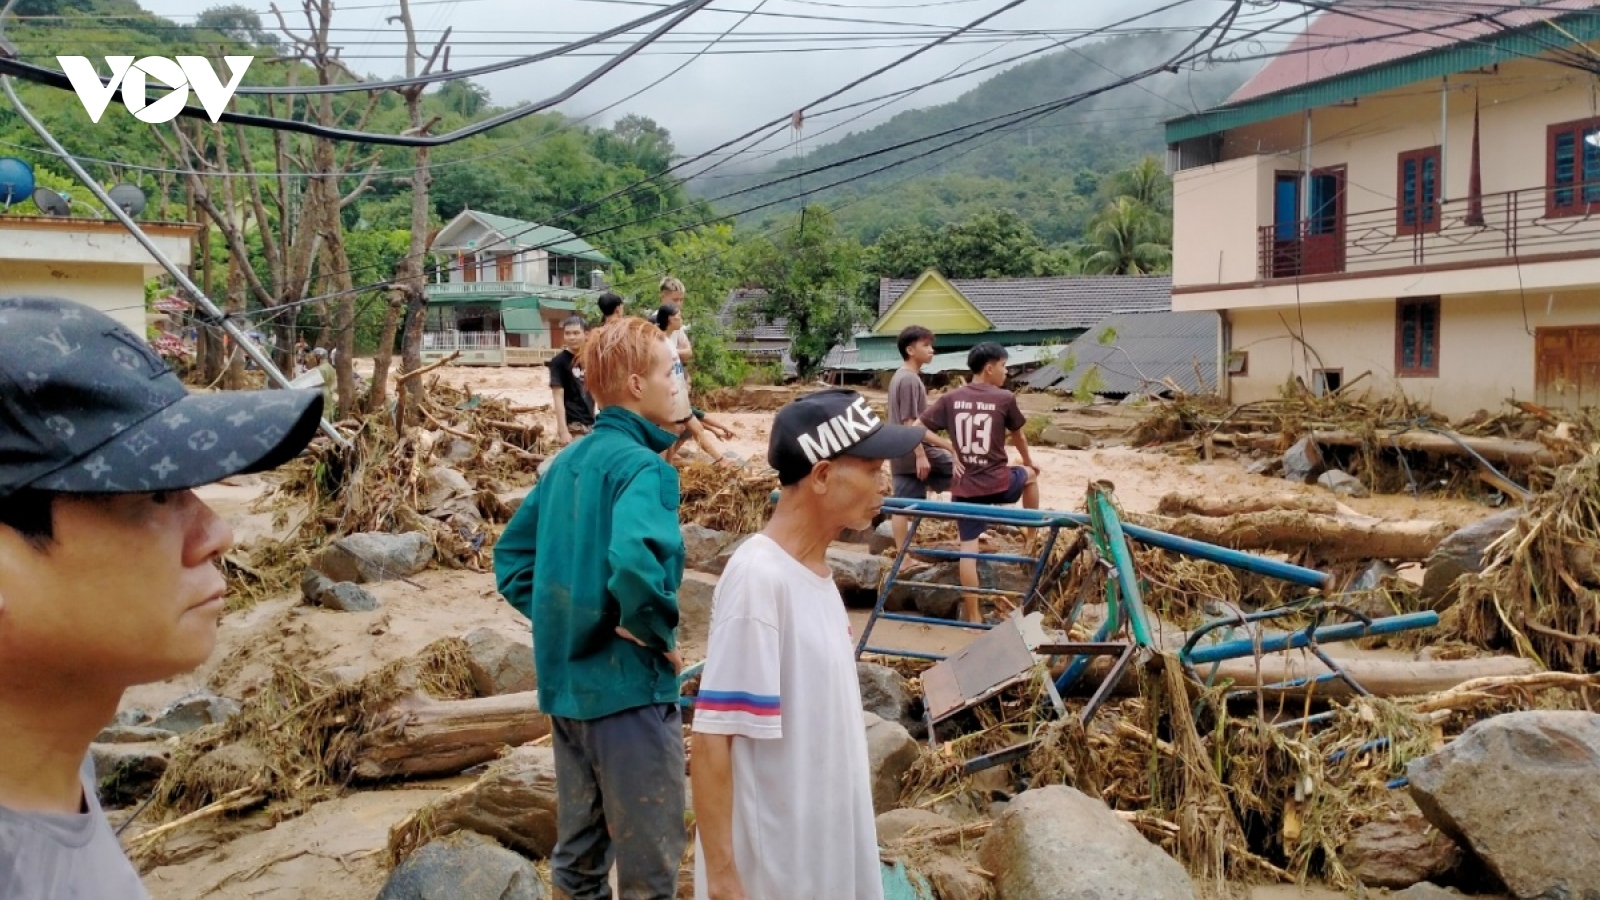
(594,558)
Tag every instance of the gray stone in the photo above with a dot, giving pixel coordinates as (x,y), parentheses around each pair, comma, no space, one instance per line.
(945,602)
(131,734)
(1265,467)
(1399,852)
(898,823)
(890,753)
(441,486)
(348,597)
(883,693)
(133,715)
(1363,593)
(376,556)
(195,711)
(1056,842)
(858,575)
(720,561)
(1520,792)
(463,866)
(1303,462)
(126,773)
(701,545)
(513,802)
(1426,891)
(499,663)
(883,538)
(313,585)
(1461,553)
(1343,484)
(1066,437)
(694,606)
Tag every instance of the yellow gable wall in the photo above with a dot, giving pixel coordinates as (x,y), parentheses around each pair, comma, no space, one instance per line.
(932,303)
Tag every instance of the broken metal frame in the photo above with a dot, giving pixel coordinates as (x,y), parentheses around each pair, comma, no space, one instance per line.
(239,335)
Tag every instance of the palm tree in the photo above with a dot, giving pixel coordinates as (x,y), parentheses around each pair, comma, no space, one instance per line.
(1145,181)
(1126,239)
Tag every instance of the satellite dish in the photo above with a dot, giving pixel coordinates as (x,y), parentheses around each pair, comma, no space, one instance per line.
(51,203)
(16,181)
(129,197)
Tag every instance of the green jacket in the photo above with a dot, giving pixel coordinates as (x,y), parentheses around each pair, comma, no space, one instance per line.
(596,545)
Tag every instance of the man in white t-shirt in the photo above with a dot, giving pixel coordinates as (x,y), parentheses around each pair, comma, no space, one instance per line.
(782,797)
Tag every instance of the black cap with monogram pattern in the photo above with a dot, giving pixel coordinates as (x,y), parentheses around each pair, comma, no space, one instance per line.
(86,407)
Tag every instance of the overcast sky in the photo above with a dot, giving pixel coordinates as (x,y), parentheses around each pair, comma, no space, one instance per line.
(721,94)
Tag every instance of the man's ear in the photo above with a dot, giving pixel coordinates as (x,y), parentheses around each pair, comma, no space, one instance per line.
(820,473)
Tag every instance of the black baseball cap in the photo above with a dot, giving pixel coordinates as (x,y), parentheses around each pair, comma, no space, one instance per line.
(833,423)
(86,407)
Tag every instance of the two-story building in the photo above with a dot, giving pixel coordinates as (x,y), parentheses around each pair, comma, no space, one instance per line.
(1407,197)
(504,288)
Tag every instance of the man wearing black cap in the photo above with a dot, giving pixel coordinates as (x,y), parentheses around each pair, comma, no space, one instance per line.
(108,564)
(781,793)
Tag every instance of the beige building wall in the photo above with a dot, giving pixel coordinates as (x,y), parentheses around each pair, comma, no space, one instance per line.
(1486,347)
(1213,205)
(117,290)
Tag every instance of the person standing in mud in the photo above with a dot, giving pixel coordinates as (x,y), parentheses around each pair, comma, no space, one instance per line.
(574,408)
(108,564)
(782,797)
(594,558)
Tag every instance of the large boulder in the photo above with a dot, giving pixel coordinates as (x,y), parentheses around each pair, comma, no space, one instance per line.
(1303,462)
(858,575)
(339,596)
(695,597)
(513,802)
(125,773)
(883,693)
(1343,484)
(1520,791)
(195,711)
(701,545)
(1399,852)
(499,663)
(891,751)
(463,866)
(720,561)
(376,556)
(1460,554)
(943,599)
(1066,437)
(1058,843)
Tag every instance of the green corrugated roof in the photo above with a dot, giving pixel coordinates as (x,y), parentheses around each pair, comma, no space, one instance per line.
(1461,57)
(548,237)
(522,321)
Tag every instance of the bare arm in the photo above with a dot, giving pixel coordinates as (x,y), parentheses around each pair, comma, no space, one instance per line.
(712,779)
(561,412)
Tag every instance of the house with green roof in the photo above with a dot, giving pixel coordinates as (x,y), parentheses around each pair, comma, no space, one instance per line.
(503,287)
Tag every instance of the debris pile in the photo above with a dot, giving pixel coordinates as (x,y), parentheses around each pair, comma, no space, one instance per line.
(723,499)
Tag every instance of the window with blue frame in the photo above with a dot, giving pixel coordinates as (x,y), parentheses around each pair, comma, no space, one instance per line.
(1418,192)
(1416,337)
(1573,168)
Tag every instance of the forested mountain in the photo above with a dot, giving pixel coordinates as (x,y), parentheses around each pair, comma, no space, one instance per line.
(1048,170)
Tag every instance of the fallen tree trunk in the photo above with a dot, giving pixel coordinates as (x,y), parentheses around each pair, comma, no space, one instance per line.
(1215,507)
(1382,677)
(1500,450)
(420,736)
(1329,539)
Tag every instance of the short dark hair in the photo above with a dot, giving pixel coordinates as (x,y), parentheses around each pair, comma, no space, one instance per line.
(610,301)
(30,513)
(579,321)
(985,353)
(911,334)
(664,314)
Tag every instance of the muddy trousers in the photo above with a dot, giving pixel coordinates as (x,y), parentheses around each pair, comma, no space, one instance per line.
(620,798)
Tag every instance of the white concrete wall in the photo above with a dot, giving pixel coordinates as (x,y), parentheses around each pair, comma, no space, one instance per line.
(1486,346)
(114,289)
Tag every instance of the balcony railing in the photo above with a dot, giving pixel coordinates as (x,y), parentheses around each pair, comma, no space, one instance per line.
(473,288)
(1503,226)
(447,341)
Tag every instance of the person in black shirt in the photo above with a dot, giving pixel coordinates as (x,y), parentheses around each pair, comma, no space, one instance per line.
(574,406)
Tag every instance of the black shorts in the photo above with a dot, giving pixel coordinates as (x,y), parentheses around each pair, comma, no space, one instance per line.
(940,473)
(971,531)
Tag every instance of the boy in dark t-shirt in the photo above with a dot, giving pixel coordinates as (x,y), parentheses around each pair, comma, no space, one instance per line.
(574,406)
(981,417)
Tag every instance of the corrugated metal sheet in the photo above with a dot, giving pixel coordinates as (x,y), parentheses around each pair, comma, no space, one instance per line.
(1466,50)
(758,331)
(1147,348)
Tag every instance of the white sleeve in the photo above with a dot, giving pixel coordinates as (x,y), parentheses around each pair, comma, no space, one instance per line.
(740,689)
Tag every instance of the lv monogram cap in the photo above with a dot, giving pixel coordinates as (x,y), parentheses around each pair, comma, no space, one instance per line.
(86,407)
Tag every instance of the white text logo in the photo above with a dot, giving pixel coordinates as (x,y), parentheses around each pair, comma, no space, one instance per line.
(840,432)
(185,74)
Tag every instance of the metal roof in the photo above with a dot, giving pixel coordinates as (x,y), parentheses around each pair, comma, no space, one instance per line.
(1360,48)
(1147,349)
(758,330)
(1030,304)
(520,234)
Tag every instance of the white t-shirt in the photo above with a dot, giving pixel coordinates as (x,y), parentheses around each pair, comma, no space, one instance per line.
(781,676)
